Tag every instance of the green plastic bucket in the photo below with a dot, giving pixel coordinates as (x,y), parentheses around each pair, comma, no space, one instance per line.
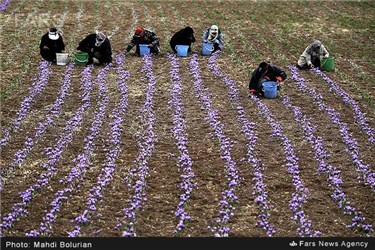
(328,64)
(81,58)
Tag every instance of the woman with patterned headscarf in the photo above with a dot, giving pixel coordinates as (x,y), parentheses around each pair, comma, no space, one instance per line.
(213,35)
(98,46)
(311,56)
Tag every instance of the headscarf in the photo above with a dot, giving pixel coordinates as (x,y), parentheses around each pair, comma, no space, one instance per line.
(188,30)
(138,32)
(263,67)
(53,34)
(314,47)
(213,32)
(100,37)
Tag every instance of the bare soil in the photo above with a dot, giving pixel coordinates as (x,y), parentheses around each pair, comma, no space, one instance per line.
(251,35)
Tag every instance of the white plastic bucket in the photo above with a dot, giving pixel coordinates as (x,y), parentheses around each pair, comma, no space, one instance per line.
(61,58)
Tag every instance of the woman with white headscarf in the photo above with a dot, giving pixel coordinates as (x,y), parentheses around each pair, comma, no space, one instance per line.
(213,35)
(311,56)
(50,44)
(98,46)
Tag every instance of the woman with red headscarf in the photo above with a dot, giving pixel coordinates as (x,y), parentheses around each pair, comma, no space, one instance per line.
(144,36)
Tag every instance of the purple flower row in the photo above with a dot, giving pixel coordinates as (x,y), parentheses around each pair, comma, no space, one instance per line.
(4,5)
(53,155)
(248,128)
(179,131)
(82,160)
(113,152)
(229,197)
(36,88)
(363,170)
(358,221)
(300,194)
(49,120)
(358,114)
(146,142)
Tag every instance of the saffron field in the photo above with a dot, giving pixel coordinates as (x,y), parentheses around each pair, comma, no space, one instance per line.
(174,146)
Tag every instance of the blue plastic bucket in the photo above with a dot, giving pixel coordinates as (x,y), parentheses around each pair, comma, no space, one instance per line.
(182,50)
(207,48)
(144,49)
(269,89)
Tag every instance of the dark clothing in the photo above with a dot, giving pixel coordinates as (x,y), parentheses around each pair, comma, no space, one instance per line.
(104,50)
(148,37)
(182,37)
(315,62)
(216,47)
(257,78)
(54,46)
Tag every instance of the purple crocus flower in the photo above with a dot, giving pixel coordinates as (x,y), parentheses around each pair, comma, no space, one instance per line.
(321,155)
(363,170)
(53,155)
(4,5)
(49,120)
(229,198)
(112,154)
(248,129)
(184,161)
(146,142)
(359,115)
(82,161)
(37,87)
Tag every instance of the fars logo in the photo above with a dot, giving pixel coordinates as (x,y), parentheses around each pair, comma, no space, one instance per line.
(302,243)
(293,244)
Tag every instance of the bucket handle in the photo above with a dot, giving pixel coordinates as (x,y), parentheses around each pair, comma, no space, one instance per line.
(61,55)
(276,85)
(206,47)
(82,61)
(179,45)
(324,63)
(326,60)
